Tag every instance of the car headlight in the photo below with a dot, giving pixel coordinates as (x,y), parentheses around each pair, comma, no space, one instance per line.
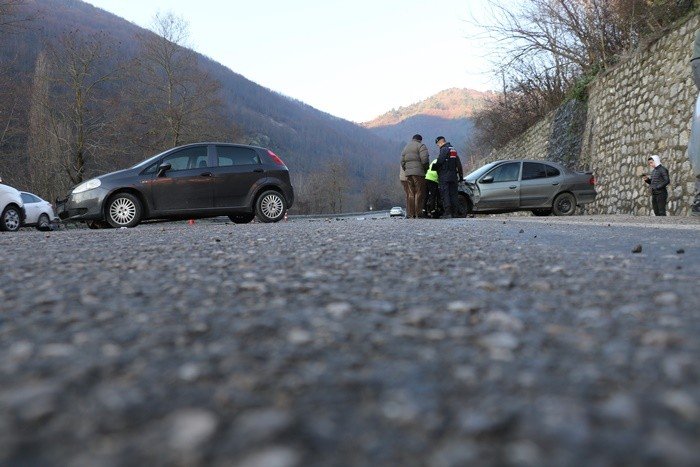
(89,185)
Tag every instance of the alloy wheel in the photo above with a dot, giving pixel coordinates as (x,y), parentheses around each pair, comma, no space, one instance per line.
(11,220)
(122,211)
(272,206)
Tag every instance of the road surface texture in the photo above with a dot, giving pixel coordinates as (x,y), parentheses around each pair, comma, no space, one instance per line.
(485,341)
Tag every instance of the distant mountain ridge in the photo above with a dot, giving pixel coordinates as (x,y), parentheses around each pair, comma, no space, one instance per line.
(447,113)
(453,103)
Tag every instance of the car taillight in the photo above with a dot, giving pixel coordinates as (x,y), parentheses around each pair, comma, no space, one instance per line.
(591,181)
(275,158)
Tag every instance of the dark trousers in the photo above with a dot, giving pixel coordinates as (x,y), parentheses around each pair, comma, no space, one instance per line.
(404,184)
(433,191)
(658,202)
(450,203)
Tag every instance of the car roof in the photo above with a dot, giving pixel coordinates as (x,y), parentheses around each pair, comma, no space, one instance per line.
(216,143)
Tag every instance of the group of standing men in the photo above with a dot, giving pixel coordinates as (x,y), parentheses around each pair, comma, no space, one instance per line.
(422,179)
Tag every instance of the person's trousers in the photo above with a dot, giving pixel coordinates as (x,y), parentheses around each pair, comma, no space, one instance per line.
(416,195)
(450,203)
(658,202)
(432,192)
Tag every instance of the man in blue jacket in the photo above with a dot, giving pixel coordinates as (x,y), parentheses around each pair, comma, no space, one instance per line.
(449,168)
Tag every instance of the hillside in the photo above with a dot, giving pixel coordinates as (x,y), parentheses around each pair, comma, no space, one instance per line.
(302,135)
(446,113)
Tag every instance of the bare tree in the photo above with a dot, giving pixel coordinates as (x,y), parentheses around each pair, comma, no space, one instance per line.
(176,102)
(75,113)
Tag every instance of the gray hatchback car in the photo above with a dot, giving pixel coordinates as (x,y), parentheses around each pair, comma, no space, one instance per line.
(542,187)
(188,182)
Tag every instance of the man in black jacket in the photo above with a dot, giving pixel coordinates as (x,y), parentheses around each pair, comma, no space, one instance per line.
(449,169)
(658,182)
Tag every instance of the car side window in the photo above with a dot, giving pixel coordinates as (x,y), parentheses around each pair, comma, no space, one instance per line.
(533,170)
(186,159)
(234,155)
(552,171)
(27,198)
(506,172)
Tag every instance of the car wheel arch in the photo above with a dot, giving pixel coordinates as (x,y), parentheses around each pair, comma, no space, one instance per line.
(262,190)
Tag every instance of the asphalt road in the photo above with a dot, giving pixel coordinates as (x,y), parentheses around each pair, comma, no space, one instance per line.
(485,341)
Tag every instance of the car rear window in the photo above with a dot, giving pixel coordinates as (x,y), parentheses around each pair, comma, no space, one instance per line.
(235,155)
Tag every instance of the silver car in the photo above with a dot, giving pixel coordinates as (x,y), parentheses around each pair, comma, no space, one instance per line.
(542,187)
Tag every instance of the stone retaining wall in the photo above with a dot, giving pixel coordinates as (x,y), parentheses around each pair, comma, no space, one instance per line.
(640,107)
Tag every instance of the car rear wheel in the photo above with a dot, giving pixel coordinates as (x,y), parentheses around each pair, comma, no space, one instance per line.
(564,205)
(242,218)
(541,212)
(10,220)
(124,210)
(270,207)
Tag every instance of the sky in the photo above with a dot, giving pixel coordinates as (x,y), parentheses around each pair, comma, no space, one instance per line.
(355,60)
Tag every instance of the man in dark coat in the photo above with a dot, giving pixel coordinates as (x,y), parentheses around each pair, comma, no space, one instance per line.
(658,182)
(449,168)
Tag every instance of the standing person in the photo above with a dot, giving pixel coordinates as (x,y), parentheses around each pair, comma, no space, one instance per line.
(414,160)
(449,173)
(432,190)
(658,182)
(694,145)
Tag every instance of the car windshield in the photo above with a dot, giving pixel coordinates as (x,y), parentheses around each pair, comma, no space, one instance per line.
(480,171)
(148,161)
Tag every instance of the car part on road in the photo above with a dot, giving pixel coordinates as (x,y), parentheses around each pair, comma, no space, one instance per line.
(564,205)
(270,207)
(124,210)
(542,212)
(11,219)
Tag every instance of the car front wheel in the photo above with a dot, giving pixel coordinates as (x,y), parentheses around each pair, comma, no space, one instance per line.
(124,210)
(10,220)
(465,206)
(270,207)
(44,223)
(564,205)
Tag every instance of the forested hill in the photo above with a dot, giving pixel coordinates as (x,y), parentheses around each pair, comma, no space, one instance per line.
(303,136)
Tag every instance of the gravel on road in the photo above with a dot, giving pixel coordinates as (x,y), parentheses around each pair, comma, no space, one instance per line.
(485,341)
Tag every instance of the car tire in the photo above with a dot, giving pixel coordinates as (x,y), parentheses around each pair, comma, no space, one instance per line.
(465,205)
(541,212)
(270,206)
(44,223)
(11,219)
(242,218)
(124,210)
(564,205)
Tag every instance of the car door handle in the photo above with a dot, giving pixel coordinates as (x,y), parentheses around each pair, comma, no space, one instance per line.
(513,187)
(258,170)
(555,184)
(206,174)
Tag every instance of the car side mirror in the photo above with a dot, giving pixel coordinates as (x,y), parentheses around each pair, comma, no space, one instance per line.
(162,168)
(487,179)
